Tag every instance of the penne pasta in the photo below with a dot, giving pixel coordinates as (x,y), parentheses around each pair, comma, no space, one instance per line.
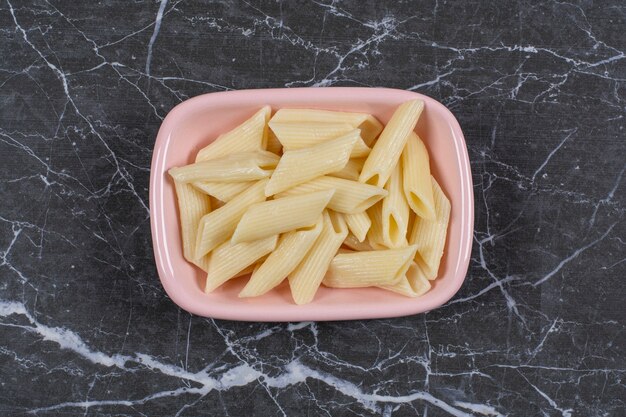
(223,191)
(386,152)
(216,227)
(298,136)
(430,235)
(375,234)
(300,166)
(353,243)
(245,166)
(368,124)
(359,224)
(413,284)
(395,212)
(291,249)
(371,268)
(228,260)
(273,144)
(351,171)
(349,197)
(281,215)
(251,135)
(192,205)
(306,278)
(416,177)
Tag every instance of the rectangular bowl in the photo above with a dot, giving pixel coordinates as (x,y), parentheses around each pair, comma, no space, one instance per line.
(196,122)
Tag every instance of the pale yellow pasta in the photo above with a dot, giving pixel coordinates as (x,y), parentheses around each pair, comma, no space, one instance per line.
(192,205)
(359,224)
(351,171)
(228,260)
(303,135)
(273,144)
(371,268)
(251,135)
(217,226)
(413,284)
(281,215)
(386,152)
(292,247)
(300,166)
(369,126)
(349,197)
(223,191)
(416,177)
(375,234)
(430,235)
(395,212)
(245,166)
(306,278)
(353,243)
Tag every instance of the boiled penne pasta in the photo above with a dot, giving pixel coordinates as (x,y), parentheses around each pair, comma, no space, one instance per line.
(375,234)
(413,284)
(251,135)
(430,235)
(228,260)
(300,166)
(395,212)
(306,278)
(297,136)
(353,243)
(273,144)
(216,227)
(349,197)
(351,171)
(292,247)
(386,152)
(245,166)
(192,205)
(281,215)
(359,224)
(223,191)
(368,124)
(417,186)
(371,268)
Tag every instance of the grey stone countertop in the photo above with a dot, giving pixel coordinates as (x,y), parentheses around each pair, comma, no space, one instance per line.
(538,328)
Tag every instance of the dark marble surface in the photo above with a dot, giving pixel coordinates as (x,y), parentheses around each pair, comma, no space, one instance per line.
(538,328)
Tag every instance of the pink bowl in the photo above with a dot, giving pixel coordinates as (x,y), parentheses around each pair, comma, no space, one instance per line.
(196,122)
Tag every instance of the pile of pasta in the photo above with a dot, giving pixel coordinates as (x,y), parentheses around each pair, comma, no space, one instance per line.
(316,197)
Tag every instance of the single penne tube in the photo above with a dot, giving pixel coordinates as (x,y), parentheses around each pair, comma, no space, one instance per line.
(353,243)
(239,167)
(368,124)
(413,284)
(223,191)
(351,171)
(250,135)
(349,197)
(308,275)
(430,235)
(281,215)
(192,205)
(294,136)
(217,226)
(292,247)
(228,260)
(387,150)
(300,166)
(371,268)
(395,212)
(273,144)
(375,233)
(416,181)
(358,224)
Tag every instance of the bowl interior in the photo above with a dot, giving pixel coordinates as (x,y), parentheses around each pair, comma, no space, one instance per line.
(196,122)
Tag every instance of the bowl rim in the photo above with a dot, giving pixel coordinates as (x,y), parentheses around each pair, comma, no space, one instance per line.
(160,248)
